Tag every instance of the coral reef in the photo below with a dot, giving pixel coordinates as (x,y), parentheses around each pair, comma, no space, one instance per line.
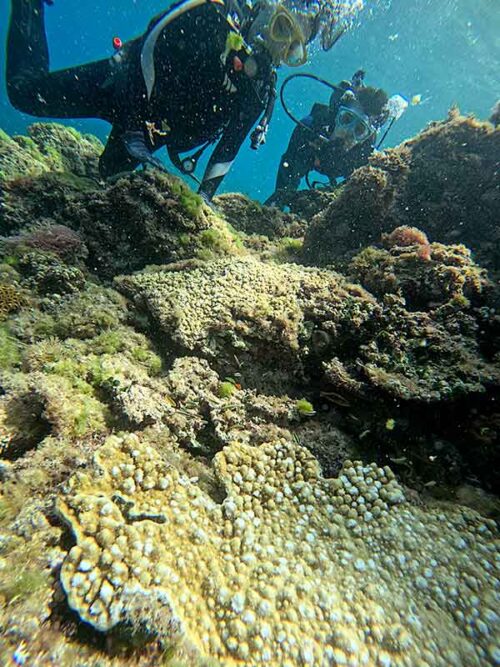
(245,314)
(250,217)
(444,182)
(183,451)
(290,569)
(49,147)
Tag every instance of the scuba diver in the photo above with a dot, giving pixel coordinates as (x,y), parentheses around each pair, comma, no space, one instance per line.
(203,72)
(334,139)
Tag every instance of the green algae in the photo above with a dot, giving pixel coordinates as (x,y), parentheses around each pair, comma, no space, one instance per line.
(10,352)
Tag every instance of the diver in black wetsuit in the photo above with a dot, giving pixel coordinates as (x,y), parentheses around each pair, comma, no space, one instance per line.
(203,71)
(333,139)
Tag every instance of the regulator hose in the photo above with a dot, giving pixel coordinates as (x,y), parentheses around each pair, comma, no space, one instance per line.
(324,82)
(301,75)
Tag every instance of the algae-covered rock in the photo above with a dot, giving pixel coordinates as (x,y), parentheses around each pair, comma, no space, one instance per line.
(147,218)
(290,569)
(49,147)
(426,275)
(294,320)
(444,181)
(247,215)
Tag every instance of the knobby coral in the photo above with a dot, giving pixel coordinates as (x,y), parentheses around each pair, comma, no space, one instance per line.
(10,299)
(290,569)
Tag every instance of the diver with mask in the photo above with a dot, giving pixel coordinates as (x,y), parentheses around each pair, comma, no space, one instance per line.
(203,73)
(334,139)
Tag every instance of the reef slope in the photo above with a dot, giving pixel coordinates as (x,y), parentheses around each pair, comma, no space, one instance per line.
(214,454)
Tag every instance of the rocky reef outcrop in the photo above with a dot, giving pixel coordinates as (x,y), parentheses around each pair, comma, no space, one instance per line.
(445,181)
(214,454)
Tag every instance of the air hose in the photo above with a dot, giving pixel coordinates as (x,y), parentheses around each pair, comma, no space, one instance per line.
(395,115)
(301,75)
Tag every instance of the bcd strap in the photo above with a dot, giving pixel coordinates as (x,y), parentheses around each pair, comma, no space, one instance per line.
(148,48)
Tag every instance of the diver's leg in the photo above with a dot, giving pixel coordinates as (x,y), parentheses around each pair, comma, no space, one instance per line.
(295,163)
(27,49)
(76,92)
(116,158)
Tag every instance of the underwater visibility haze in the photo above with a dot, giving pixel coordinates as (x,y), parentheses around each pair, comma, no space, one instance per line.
(257,425)
(447,53)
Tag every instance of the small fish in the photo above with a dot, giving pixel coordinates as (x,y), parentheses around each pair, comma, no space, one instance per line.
(336,398)
(430,484)
(401,459)
(394,37)
(416,100)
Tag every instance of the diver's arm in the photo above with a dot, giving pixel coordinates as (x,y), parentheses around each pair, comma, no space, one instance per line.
(355,158)
(225,152)
(136,146)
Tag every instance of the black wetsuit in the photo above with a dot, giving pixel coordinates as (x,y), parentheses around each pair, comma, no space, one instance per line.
(307,151)
(198,95)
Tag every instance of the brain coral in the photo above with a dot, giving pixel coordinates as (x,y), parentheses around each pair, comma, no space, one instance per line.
(291,569)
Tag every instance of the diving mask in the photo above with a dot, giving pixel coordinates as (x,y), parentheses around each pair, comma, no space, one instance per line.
(286,39)
(352,126)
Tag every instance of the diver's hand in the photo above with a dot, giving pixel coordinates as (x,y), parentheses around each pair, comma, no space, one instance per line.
(137,149)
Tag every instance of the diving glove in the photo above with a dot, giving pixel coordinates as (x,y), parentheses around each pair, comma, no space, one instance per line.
(135,144)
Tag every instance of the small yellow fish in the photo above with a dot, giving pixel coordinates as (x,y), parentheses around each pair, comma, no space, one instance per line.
(390,424)
(415,100)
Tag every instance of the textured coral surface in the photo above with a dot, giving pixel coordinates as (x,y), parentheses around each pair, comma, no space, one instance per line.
(290,569)
(185,450)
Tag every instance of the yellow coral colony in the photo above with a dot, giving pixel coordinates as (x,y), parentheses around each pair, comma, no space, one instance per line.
(291,569)
(10,299)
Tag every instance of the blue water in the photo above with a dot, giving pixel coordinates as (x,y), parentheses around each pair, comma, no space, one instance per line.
(447,51)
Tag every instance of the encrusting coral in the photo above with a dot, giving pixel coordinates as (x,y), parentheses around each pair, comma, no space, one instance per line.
(290,569)
(11,299)
(257,312)
(233,310)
